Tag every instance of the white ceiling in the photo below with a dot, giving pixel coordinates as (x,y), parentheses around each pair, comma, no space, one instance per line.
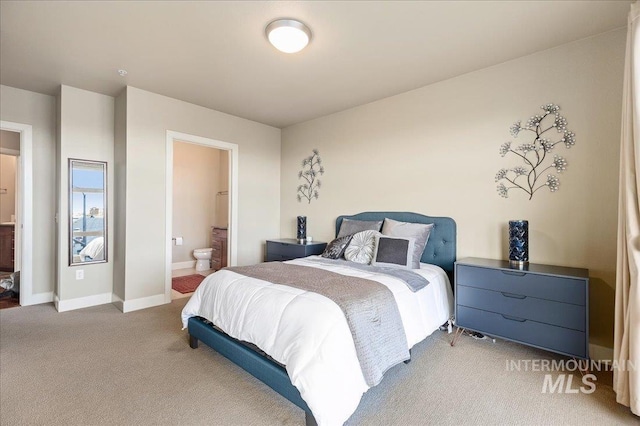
(215,54)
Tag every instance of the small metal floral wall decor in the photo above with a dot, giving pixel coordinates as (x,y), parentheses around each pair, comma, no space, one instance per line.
(530,176)
(311,170)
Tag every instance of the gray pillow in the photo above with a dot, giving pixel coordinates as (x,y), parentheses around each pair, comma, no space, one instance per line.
(393,251)
(361,246)
(419,231)
(335,248)
(350,226)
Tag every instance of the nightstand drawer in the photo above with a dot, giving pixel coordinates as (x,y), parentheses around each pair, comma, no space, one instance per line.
(273,257)
(291,250)
(545,336)
(544,311)
(560,289)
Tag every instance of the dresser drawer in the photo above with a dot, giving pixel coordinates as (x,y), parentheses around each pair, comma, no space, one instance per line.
(541,310)
(545,336)
(560,289)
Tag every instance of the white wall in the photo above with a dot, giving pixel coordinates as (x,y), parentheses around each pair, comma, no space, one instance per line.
(196,180)
(7,187)
(86,133)
(148,118)
(434,150)
(37,110)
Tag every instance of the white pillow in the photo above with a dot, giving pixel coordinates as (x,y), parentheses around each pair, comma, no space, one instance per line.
(361,247)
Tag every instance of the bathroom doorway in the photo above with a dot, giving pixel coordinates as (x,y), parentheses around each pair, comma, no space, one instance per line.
(16,207)
(200,210)
(9,262)
(200,214)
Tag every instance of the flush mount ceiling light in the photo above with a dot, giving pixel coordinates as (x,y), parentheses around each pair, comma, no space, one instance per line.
(288,35)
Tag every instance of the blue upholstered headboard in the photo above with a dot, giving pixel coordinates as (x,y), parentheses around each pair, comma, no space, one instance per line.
(441,246)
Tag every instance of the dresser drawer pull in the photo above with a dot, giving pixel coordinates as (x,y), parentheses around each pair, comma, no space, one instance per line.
(510,318)
(513,296)
(516,274)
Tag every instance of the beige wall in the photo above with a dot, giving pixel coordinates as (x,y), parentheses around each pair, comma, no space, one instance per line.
(7,187)
(434,150)
(10,140)
(22,106)
(222,200)
(148,117)
(119,198)
(196,180)
(86,133)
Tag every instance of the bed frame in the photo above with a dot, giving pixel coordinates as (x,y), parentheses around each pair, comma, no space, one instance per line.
(440,250)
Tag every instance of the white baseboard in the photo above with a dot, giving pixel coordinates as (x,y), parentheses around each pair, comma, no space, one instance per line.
(143,303)
(117,302)
(183,265)
(600,353)
(38,298)
(82,302)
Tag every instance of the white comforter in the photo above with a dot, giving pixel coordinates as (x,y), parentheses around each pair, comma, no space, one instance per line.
(308,333)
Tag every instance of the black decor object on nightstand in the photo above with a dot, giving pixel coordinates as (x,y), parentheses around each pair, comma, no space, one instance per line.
(290,248)
(543,306)
(301,233)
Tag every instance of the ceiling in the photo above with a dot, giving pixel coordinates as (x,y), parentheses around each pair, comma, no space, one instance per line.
(215,54)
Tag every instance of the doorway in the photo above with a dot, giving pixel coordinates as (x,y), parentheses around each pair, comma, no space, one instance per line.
(19,145)
(201,206)
(200,214)
(9,262)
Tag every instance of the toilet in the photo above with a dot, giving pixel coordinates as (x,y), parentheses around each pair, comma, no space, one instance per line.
(203,257)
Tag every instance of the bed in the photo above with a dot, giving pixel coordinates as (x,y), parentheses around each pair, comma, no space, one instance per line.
(305,381)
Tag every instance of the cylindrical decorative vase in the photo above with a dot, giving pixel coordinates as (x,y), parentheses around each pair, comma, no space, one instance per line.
(518,242)
(302,228)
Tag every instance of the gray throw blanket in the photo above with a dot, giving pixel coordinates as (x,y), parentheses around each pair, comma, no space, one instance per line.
(369,307)
(414,281)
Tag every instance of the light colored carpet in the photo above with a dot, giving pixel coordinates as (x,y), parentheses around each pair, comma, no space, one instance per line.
(101,367)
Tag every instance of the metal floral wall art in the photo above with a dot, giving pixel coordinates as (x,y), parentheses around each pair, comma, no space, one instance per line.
(311,170)
(536,155)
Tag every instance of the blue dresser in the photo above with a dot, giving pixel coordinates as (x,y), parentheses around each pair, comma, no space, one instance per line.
(541,305)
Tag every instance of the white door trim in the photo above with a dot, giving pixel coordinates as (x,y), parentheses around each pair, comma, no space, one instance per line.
(8,151)
(232,232)
(24,216)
